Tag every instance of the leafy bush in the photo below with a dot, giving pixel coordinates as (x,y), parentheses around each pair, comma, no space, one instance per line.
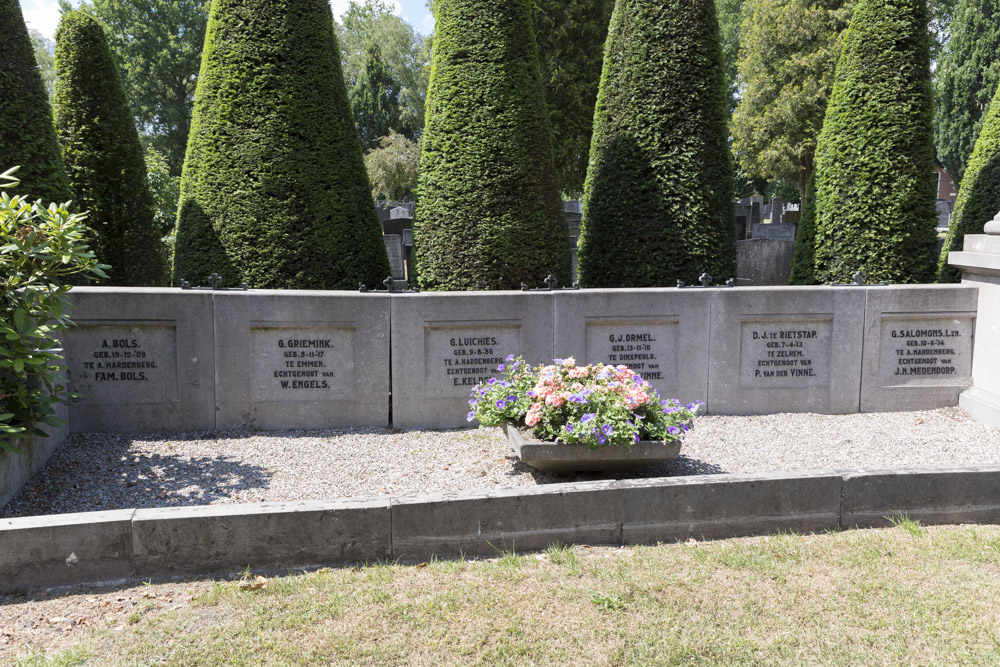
(26,134)
(658,200)
(39,248)
(274,190)
(979,195)
(875,193)
(103,156)
(595,405)
(488,213)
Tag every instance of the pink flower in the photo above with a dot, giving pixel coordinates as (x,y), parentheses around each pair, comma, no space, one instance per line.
(532,418)
(555,400)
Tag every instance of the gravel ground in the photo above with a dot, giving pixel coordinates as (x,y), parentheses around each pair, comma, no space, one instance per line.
(115,471)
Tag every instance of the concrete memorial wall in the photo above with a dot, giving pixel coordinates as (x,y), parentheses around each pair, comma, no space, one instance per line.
(444,344)
(170,360)
(796,348)
(660,333)
(918,346)
(301,359)
(143,359)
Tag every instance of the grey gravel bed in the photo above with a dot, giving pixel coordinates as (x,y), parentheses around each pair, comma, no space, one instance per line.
(114,471)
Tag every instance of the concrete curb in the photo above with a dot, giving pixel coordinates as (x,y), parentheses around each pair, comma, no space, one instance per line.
(90,547)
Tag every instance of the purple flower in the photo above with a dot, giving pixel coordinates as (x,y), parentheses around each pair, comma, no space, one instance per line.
(473,401)
(692,406)
(501,405)
(603,375)
(512,399)
(673,430)
(504,383)
(481,390)
(501,367)
(469,417)
(569,428)
(614,384)
(516,364)
(587,417)
(491,381)
(510,357)
(635,437)
(607,429)
(557,362)
(601,439)
(532,394)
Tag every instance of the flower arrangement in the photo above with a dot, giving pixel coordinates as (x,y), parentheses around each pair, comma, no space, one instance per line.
(596,405)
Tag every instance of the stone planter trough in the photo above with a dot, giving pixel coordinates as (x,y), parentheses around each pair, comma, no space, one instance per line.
(560,457)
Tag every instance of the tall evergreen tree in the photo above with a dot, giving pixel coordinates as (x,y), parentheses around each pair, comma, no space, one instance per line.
(979,195)
(966,77)
(804,254)
(375,100)
(27,137)
(658,202)
(488,211)
(875,197)
(274,190)
(103,156)
(571,36)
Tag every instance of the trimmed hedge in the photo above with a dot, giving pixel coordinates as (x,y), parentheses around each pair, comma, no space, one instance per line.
(979,195)
(27,137)
(804,255)
(658,200)
(274,190)
(103,156)
(875,193)
(488,212)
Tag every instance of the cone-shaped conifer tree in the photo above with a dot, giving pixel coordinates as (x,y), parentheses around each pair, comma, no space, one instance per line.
(103,156)
(27,137)
(979,195)
(803,258)
(658,200)
(875,193)
(274,190)
(488,211)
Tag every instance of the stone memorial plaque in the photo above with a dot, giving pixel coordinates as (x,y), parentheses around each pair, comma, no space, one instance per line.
(458,357)
(787,353)
(648,347)
(394,246)
(305,364)
(122,364)
(925,350)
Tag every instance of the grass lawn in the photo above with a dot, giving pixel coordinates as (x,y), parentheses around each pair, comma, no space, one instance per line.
(903,595)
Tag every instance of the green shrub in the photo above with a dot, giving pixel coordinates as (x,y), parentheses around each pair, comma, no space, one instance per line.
(875,193)
(103,156)
(488,212)
(274,190)
(979,195)
(658,200)
(26,134)
(39,249)
(803,258)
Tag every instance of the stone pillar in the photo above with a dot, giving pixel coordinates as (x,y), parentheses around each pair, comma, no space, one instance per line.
(979,261)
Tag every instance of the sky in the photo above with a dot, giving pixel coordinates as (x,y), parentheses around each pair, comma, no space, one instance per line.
(43,15)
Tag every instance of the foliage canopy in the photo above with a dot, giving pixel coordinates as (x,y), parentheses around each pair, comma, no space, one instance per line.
(658,203)
(488,212)
(27,137)
(875,196)
(102,153)
(979,195)
(274,190)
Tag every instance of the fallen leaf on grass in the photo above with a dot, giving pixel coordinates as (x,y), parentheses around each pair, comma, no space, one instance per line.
(254,584)
(420,565)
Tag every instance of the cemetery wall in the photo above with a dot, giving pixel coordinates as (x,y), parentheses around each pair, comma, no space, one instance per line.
(170,360)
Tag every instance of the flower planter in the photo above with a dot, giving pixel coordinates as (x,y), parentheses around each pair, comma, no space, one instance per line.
(561,457)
